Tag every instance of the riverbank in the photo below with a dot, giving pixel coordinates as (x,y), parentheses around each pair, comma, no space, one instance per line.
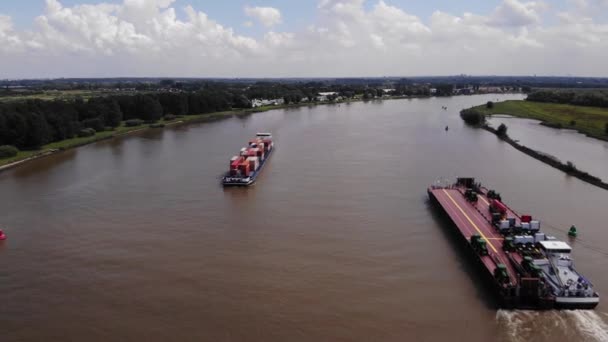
(52,148)
(59,146)
(567,167)
(590,121)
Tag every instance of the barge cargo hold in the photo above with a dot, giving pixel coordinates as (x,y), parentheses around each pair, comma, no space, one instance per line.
(526,268)
(247,166)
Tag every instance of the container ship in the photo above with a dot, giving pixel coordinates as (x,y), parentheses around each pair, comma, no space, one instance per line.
(526,268)
(246,167)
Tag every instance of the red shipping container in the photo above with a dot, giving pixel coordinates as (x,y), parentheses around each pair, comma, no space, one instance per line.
(235,163)
(498,206)
(244,168)
(526,218)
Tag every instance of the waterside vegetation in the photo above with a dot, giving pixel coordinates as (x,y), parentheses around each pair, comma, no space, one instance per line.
(592,121)
(590,117)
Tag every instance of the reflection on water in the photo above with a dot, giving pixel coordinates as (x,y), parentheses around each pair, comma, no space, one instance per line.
(136,239)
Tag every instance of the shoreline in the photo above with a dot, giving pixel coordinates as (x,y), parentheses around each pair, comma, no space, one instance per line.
(568,169)
(183,120)
(189,119)
(539,113)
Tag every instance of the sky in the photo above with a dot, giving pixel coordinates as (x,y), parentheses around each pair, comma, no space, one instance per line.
(304,38)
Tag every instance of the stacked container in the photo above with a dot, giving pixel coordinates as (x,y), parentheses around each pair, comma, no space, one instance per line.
(534,225)
(254,163)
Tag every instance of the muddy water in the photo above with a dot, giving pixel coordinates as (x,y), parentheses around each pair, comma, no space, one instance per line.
(134,239)
(588,154)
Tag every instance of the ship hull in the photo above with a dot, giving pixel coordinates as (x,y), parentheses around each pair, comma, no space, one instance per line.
(484,274)
(503,270)
(229,181)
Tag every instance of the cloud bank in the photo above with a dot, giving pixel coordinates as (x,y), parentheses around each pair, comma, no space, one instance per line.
(347,38)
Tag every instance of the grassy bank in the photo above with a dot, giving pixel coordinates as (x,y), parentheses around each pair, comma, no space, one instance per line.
(118,131)
(587,120)
(51,148)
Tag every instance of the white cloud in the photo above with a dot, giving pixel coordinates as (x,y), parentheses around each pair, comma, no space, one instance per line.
(347,38)
(516,13)
(267,16)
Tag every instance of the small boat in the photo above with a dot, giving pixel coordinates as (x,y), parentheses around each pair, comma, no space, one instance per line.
(2,235)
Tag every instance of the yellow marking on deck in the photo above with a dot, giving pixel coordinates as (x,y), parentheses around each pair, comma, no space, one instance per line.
(483,199)
(471,221)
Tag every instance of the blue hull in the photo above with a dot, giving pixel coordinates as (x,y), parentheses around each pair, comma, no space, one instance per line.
(227,180)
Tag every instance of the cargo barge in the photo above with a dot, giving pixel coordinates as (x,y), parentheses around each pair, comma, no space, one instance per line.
(524,267)
(247,166)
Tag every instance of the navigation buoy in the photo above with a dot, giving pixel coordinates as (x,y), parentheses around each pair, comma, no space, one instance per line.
(2,235)
(446,128)
(572,232)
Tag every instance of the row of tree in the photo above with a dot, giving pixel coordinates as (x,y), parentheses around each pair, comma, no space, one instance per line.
(594,98)
(33,123)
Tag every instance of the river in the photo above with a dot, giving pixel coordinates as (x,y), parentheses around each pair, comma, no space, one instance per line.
(588,154)
(134,239)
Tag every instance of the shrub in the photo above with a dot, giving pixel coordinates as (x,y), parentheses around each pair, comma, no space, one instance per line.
(86,132)
(606,128)
(570,167)
(134,122)
(490,105)
(472,116)
(170,117)
(95,123)
(573,123)
(8,151)
(502,130)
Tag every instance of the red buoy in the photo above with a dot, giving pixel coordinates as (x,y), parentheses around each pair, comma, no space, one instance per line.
(2,235)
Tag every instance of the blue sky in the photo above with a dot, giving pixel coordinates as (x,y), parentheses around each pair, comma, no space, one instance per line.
(348,38)
(296,13)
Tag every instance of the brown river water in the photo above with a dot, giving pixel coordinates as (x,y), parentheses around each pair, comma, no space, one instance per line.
(134,239)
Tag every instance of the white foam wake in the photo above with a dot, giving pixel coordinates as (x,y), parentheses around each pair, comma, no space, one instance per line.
(590,324)
(516,323)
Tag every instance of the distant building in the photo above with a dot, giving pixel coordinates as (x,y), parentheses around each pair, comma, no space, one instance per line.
(328,93)
(264,102)
(433,91)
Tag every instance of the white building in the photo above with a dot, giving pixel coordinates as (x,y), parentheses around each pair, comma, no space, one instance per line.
(264,102)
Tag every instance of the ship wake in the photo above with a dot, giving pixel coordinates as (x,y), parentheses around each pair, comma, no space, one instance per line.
(590,324)
(570,325)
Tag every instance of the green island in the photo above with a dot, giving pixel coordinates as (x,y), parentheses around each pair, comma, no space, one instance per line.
(592,121)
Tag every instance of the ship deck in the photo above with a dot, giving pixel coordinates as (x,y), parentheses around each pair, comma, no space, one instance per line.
(470,218)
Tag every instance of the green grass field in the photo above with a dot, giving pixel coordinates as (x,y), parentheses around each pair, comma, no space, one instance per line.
(589,120)
(49,95)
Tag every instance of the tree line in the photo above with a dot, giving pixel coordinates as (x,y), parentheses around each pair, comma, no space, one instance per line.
(30,124)
(33,123)
(593,98)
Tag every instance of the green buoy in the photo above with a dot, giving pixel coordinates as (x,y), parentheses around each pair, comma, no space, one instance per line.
(572,232)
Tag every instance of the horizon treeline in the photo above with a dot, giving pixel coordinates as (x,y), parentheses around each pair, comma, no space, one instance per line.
(30,124)
(589,98)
